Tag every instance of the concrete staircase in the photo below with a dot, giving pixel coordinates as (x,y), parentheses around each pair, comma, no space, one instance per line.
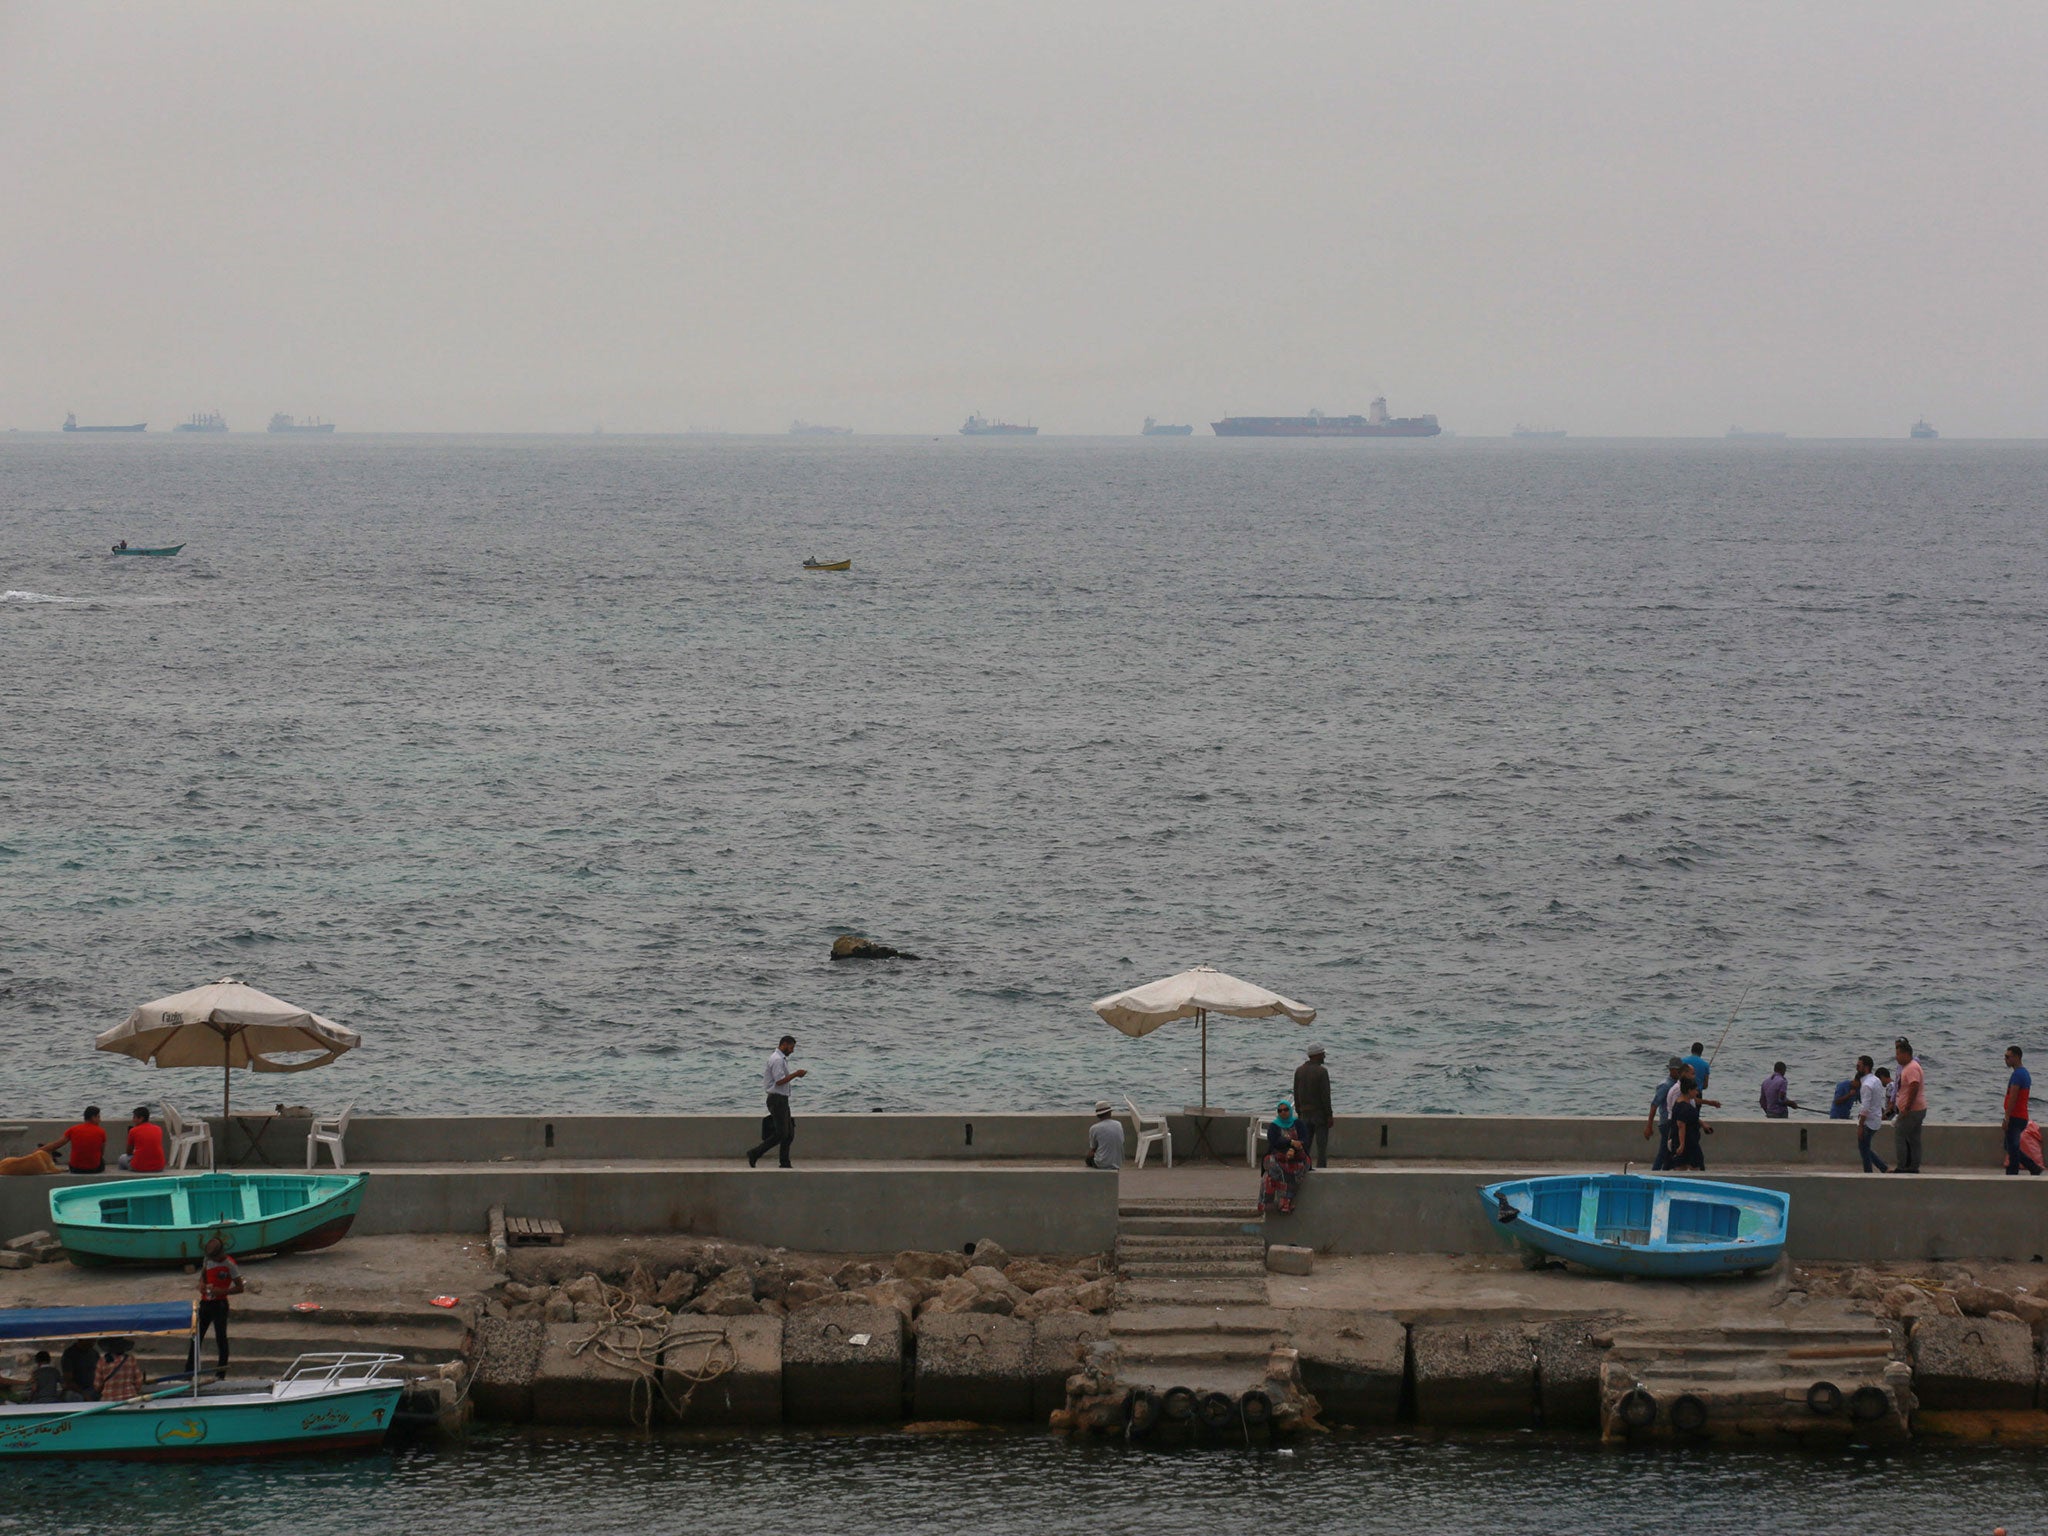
(265,1339)
(1186,1253)
(1191,1310)
(1753,1382)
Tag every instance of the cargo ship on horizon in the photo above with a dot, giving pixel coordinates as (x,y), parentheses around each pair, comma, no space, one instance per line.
(980,426)
(1923,429)
(1164,429)
(283,423)
(1375,423)
(71,425)
(203,421)
(802,428)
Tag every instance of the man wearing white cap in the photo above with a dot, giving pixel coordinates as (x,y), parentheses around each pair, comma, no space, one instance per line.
(1312,1105)
(1105,1139)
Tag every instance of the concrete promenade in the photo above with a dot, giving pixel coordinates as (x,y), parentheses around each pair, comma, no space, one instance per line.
(880,1183)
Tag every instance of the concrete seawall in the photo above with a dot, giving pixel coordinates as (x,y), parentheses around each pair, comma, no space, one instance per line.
(1593,1141)
(872,1209)
(1842,1217)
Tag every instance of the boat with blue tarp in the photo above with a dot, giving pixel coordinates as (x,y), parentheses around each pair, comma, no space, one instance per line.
(324,1402)
(1637,1224)
(168,1220)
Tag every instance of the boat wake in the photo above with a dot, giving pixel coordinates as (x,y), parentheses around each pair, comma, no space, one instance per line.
(39,597)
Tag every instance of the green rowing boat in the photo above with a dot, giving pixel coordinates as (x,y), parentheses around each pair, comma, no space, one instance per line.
(168,1220)
(125,548)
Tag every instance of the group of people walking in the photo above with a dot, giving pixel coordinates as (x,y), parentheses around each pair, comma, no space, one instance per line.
(1870,1095)
(1297,1139)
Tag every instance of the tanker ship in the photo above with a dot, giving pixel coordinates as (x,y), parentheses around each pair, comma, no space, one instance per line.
(979,426)
(71,425)
(283,423)
(1375,423)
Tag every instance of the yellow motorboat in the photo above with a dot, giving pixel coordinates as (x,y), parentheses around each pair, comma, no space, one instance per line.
(828,565)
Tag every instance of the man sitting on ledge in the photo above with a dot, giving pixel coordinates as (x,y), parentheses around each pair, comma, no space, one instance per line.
(1105,1138)
(145,1152)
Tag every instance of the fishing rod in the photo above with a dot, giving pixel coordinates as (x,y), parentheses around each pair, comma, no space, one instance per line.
(1746,990)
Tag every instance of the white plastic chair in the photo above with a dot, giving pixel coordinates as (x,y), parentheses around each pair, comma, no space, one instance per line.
(1150,1131)
(327,1131)
(184,1137)
(1254,1142)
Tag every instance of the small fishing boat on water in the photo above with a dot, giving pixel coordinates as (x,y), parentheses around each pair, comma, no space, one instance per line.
(1633,1224)
(168,1220)
(815,564)
(323,1402)
(125,548)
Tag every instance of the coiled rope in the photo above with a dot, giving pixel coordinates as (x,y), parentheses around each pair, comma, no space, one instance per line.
(639,1346)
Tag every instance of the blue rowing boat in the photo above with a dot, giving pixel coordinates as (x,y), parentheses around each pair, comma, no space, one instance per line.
(1633,1224)
(324,1402)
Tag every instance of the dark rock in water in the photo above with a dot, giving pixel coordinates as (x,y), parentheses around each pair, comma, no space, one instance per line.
(853,948)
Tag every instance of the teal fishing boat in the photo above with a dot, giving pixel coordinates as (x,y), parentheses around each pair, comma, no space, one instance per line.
(324,1402)
(1626,1224)
(125,548)
(168,1220)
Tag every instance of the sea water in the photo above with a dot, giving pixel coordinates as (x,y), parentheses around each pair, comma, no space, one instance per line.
(1030,1484)
(542,763)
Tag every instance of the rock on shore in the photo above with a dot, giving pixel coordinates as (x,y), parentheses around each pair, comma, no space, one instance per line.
(713,1278)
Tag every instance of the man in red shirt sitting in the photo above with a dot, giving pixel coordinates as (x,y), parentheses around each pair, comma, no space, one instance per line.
(88,1142)
(145,1152)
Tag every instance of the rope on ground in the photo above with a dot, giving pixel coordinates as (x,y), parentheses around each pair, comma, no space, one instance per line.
(638,1344)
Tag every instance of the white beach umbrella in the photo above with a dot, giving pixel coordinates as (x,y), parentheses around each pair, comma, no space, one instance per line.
(1196,994)
(226,1024)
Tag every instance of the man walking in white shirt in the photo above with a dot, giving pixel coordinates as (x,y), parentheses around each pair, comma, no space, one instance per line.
(780,1124)
(1869,1113)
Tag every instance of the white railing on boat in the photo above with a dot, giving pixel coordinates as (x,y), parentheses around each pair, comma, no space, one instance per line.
(326,1372)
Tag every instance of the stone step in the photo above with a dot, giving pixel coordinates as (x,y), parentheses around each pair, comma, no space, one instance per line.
(1146,1242)
(1255,1320)
(1190,1293)
(1194,1346)
(1189,1226)
(1245,1207)
(250,1342)
(1211,1269)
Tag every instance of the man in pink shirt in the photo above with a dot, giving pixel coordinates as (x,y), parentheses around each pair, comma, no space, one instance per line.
(1912,1102)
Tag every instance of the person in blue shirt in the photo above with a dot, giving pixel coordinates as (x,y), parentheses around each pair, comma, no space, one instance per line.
(1844,1106)
(1699,1066)
(1658,1122)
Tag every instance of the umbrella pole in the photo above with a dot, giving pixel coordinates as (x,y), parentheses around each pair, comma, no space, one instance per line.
(1205,1058)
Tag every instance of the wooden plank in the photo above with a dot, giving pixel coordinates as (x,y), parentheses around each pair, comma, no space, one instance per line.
(527,1231)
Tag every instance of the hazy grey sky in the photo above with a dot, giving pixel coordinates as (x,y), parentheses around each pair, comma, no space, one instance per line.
(1653,217)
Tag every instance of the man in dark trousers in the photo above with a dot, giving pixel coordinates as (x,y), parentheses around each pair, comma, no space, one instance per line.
(1312,1105)
(219,1278)
(1687,1150)
(780,1124)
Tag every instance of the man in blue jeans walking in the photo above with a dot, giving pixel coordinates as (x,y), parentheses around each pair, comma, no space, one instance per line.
(1869,1113)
